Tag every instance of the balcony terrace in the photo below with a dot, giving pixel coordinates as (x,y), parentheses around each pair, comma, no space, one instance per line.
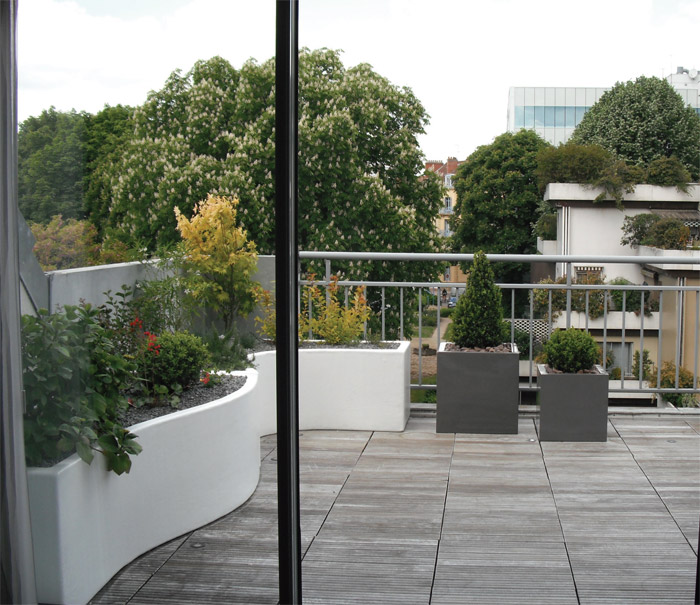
(420,517)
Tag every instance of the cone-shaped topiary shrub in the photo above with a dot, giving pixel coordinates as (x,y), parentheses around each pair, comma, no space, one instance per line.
(571,351)
(478,316)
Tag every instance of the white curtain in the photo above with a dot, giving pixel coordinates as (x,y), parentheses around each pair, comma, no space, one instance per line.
(17,581)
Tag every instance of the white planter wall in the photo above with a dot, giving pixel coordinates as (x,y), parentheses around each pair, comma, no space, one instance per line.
(196,466)
(342,389)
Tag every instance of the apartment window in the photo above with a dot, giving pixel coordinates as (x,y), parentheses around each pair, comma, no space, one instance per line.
(448,180)
(448,203)
(587,272)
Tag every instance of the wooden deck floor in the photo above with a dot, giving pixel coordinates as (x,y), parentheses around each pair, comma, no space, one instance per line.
(416,517)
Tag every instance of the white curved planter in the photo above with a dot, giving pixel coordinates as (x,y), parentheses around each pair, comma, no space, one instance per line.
(342,389)
(87,523)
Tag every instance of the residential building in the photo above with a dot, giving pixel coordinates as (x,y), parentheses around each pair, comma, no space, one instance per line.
(585,227)
(444,221)
(554,112)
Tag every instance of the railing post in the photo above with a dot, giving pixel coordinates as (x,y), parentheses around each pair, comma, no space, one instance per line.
(569,268)
(328,281)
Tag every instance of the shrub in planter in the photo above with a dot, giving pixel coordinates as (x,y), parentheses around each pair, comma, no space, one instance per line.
(73,376)
(668,381)
(326,319)
(571,351)
(478,316)
(167,364)
(573,398)
(477,390)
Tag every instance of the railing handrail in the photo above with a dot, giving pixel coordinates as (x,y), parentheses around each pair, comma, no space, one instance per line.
(512,258)
(526,286)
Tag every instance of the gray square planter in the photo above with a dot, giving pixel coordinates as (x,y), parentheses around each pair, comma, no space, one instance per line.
(573,407)
(477,392)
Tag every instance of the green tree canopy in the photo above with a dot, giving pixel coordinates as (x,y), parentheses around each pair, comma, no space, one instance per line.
(641,121)
(51,165)
(211,131)
(497,198)
(58,152)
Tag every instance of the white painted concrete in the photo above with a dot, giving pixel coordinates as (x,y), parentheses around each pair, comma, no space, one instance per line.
(342,389)
(196,465)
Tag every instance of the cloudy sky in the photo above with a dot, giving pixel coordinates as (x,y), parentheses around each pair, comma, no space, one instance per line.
(459,56)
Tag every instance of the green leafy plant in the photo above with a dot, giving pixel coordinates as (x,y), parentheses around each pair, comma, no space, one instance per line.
(647,369)
(571,351)
(632,298)
(546,226)
(668,381)
(73,377)
(668,172)
(635,228)
(167,364)
(596,298)
(330,320)
(478,316)
(667,234)
(522,341)
(228,350)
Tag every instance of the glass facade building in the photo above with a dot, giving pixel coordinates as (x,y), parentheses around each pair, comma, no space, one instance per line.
(554,113)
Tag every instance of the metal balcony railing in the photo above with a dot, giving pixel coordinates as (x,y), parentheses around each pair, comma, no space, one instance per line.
(664,319)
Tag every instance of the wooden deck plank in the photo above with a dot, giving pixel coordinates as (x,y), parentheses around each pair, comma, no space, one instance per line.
(417,517)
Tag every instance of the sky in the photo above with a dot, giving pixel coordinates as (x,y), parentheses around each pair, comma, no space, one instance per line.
(458,56)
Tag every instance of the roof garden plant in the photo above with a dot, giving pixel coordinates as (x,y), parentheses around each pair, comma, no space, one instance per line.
(74,378)
(478,316)
(477,390)
(323,314)
(571,351)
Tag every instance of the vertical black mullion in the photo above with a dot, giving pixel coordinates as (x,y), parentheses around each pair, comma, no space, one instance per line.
(286,83)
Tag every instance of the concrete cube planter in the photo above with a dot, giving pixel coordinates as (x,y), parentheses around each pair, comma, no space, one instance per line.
(573,407)
(477,392)
(342,389)
(196,465)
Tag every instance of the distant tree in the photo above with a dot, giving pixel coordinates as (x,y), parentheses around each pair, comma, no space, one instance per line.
(641,121)
(58,152)
(497,199)
(51,165)
(65,244)
(106,131)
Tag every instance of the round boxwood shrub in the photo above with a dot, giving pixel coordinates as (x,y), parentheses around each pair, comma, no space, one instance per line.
(571,351)
(478,316)
(181,358)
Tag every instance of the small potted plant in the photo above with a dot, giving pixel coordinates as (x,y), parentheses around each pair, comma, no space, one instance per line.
(478,373)
(573,392)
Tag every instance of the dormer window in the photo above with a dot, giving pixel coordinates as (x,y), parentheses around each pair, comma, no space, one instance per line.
(448,180)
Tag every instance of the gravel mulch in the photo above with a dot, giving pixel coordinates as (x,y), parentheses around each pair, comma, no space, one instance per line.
(192,397)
